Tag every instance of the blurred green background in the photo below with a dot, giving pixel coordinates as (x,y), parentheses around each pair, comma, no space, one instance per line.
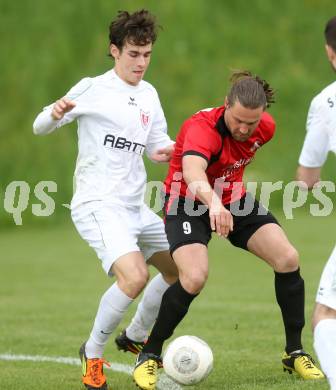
(47,46)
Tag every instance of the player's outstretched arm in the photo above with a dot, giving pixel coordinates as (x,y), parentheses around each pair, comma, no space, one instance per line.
(49,118)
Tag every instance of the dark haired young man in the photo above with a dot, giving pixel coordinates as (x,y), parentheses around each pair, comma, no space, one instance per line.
(320,139)
(119,117)
(211,152)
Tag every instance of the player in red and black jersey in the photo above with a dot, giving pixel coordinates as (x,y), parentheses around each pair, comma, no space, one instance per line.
(226,153)
(205,193)
(213,155)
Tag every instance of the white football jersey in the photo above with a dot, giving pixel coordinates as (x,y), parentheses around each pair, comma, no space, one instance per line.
(321,129)
(117,123)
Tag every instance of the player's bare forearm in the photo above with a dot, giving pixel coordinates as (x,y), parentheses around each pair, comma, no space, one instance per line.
(194,175)
(309,176)
(198,184)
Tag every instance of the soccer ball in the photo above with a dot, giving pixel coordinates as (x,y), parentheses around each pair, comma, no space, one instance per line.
(188,360)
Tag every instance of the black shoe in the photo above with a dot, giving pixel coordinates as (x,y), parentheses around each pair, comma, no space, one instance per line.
(127,345)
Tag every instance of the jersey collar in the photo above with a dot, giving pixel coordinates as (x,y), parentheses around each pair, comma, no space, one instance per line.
(222,128)
(123,83)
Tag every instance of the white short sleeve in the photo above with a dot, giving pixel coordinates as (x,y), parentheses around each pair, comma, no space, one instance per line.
(316,144)
(332,132)
(158,137)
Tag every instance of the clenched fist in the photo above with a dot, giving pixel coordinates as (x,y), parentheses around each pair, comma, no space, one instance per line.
(61,107)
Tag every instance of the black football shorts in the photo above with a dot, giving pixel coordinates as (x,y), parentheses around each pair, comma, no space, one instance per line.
(187,221)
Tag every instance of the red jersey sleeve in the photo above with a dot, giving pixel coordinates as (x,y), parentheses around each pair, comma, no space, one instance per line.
(200,139)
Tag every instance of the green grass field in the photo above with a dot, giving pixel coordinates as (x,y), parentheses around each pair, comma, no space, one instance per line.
(51,283)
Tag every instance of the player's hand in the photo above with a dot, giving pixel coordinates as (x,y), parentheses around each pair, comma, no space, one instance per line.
(61,107)
(221,220)
(164,154)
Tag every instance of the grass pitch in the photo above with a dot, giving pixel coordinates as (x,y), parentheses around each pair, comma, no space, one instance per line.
(51,282)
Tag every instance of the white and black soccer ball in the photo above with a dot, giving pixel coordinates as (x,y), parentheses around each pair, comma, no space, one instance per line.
(188,360)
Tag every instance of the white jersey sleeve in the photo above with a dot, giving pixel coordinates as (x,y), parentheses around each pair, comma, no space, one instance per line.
(158,137)
(321,129)
(45,123)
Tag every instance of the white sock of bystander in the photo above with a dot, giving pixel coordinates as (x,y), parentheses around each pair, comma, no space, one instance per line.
(325,347)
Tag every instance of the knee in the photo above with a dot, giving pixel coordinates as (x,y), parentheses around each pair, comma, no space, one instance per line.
(194,281)
(166,266)
(322,312)
(289,261)
(134,283)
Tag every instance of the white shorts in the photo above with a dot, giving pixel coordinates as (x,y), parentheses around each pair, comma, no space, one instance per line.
(114,230)
(326,293)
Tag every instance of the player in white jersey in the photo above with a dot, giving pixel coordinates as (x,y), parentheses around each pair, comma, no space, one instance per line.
(119,119)
(320,139)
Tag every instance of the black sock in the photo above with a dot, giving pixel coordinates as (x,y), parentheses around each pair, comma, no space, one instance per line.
(289,291)
(174,306)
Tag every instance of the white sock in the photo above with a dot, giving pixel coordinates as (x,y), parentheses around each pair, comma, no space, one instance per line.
(147,309)
(325,347)
(112,307)
(332,383)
